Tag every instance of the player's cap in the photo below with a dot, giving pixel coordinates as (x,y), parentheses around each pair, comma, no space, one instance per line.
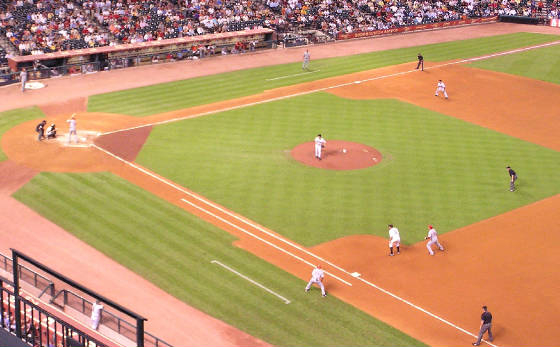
(390,225)
(430,226)
(507,167)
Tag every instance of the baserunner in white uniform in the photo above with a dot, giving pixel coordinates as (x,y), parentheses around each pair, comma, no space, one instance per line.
(394,239)
(432,236)
(319,144)
(441,88)
(306,58)
(317,276)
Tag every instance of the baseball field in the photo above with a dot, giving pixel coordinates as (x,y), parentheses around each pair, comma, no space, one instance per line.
(192,185)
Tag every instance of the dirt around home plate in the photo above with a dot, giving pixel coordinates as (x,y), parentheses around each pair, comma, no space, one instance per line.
(411,275)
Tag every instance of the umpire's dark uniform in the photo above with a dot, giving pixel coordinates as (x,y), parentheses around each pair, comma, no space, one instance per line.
(513,178)
(420,61)
(40,129)
(485,326)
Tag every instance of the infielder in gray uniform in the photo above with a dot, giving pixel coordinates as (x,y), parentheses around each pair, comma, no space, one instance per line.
(306,58)
(23,78)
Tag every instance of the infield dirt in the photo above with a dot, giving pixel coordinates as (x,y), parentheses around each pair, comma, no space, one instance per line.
(496,262)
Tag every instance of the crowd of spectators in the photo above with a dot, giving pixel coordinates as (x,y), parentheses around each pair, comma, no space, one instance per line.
(41,26)
(35,27)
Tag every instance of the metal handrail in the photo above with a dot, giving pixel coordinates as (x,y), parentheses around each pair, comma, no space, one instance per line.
(33,317)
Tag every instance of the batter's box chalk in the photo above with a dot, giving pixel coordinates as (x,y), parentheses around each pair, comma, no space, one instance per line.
(355,274)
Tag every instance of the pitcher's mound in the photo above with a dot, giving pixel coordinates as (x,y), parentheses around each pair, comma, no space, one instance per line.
(338,155)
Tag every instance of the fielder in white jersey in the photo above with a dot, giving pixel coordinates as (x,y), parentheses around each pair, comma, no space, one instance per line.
(432,236)
(394,239)
(319,145)
(317,276)
(306,58)
(72,128)
(441,88)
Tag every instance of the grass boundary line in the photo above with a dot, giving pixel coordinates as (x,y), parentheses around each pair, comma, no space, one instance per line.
(286,301)
(225,109)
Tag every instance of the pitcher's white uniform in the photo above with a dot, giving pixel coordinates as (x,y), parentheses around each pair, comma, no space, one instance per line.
(319,143)
(317,276)
(441,88)
(394,237)
(432,236)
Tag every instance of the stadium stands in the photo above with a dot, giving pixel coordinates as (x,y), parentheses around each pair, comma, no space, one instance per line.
(35,26)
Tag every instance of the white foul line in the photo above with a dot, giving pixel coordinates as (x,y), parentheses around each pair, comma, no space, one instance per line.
(176,187)
(250,280)
(333,87)
(281,249)
(286,241)
(288,76)
(261,239)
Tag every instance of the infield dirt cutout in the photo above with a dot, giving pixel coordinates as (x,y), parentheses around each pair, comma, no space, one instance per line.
(496,262)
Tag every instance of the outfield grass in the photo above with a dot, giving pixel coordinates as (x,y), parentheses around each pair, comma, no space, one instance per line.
(9,119)
(542,64)
(173,249)
(436,169)
(199,91)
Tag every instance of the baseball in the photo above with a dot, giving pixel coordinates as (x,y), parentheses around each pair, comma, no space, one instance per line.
(344,150)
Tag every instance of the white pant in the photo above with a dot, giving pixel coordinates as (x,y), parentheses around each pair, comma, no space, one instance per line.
(70,133)
(396,242)
(430,243)
(95,322)
(311,281)
(318,150)
(440,89)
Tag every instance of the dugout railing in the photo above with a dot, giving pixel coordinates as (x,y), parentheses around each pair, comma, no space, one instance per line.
(66,299)
(38,327)
(29,276)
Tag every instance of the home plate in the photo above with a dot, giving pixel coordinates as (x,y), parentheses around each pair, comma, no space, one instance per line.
(355,274)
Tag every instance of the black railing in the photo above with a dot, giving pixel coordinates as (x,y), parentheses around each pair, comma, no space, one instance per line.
(110,320)
(29,276)
(38,326)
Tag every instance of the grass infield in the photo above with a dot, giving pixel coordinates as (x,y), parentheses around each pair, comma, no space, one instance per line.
(203,90)
(436,169)
(173,249)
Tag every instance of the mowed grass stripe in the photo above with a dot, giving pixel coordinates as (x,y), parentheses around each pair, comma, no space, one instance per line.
(11,118)
(542,64)
(174,251)
(436,169)
(199,91)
